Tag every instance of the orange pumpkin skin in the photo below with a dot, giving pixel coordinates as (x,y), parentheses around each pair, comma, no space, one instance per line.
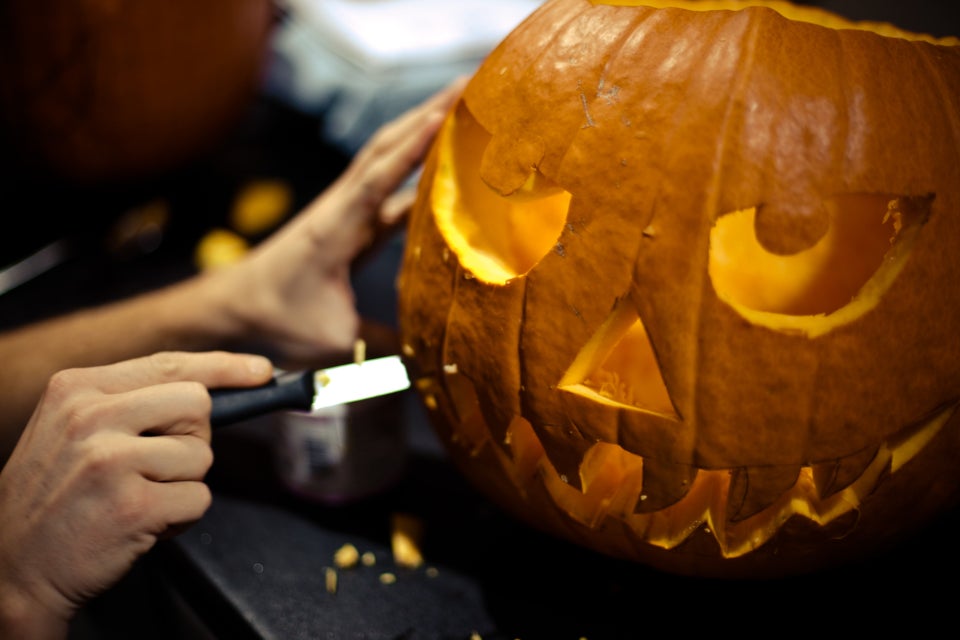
(607,359)
(96,91)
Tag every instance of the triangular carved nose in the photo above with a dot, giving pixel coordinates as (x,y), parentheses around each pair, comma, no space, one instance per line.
(619,365)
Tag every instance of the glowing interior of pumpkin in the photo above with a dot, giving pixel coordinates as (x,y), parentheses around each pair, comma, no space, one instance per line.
(495,238)
(820,279)
(837,280)
(619,367)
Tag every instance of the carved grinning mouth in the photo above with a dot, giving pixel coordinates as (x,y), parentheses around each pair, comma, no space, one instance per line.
(612,480)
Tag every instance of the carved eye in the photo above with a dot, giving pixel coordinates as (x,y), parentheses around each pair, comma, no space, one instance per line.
(833,282)
(495,238)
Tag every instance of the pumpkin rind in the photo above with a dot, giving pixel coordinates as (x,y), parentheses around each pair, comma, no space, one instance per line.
(101,91)
(658,121)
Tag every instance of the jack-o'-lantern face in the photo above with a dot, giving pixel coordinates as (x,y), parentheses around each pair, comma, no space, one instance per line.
(680,285)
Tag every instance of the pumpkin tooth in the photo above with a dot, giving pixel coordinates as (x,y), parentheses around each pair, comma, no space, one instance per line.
(664,484)
(753,489)
(565,450)
(836,475)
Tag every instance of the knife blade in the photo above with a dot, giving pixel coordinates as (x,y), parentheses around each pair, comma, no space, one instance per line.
(311,389)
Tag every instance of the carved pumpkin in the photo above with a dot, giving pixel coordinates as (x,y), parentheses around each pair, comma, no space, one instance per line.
(681,282)
(99,91)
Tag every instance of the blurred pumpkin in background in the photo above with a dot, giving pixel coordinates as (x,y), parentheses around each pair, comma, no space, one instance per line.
(681,283)
(101,90)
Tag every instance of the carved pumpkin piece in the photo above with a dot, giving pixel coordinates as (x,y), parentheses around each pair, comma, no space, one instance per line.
(677,329)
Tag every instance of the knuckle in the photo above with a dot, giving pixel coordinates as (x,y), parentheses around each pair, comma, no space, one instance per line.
(62,383)
(101,460)
(81,418)
(168,363)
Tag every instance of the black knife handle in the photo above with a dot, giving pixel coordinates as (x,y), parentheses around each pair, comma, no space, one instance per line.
(286,391)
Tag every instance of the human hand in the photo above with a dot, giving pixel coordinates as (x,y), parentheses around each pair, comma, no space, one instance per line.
(84,493)
(293,291)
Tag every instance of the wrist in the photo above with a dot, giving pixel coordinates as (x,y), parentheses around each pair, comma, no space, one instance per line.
(23,617)
(202,313)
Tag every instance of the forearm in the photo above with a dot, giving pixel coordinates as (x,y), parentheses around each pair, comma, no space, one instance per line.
(186,316)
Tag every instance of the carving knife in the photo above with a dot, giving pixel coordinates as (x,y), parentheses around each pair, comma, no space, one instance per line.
(311,390)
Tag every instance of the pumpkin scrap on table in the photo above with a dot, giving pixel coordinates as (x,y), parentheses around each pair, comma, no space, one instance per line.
(680,284)
(406,532)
